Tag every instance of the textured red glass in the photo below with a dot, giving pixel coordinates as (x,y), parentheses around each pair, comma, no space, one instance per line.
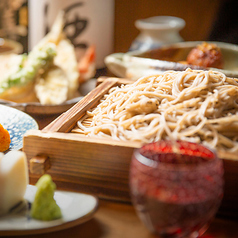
(176,187)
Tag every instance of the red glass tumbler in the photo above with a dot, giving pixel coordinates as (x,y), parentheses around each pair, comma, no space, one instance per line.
(176,187)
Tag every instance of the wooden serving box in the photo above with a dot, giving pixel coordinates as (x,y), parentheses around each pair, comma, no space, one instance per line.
(99,166)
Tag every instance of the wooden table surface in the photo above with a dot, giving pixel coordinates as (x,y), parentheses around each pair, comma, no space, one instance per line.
(119,220)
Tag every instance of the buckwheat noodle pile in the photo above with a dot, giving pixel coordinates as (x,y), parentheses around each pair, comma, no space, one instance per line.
(191,105)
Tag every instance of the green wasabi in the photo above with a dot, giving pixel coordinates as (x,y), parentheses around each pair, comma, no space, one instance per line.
(44,206)
(38,58)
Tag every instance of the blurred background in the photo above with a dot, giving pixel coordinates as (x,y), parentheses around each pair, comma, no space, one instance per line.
(200,17)
(113,21)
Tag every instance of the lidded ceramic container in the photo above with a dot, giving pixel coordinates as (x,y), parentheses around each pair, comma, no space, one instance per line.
(156,31)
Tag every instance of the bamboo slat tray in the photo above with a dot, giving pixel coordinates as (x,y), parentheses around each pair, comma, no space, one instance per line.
(98,166)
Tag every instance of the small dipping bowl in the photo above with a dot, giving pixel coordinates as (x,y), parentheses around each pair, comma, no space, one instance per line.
(10,47)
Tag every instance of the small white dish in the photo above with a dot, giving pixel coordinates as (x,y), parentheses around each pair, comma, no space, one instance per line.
(136,64)
(76,209)
(10,47)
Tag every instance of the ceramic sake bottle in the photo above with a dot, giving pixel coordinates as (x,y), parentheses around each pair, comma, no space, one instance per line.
(157,31)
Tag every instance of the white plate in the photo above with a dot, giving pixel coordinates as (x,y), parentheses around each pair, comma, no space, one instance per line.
(17,123)
(135,64)
(76,208)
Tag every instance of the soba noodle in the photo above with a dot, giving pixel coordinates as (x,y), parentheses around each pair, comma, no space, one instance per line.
(197,106)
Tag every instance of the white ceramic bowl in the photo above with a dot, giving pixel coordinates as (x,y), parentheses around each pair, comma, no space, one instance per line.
(136,64)
(9,47)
